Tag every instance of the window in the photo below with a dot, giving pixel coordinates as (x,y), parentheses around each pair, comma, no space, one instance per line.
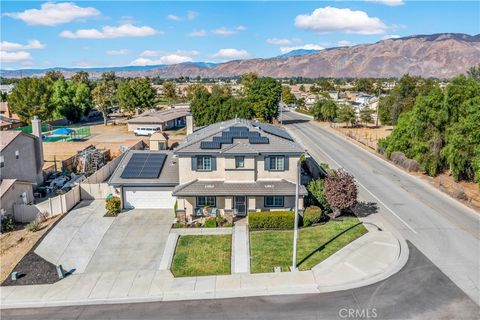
(17,154)
(206,201)
(204,163)
(277,163)
(274,201)
(239,162)
(2,162)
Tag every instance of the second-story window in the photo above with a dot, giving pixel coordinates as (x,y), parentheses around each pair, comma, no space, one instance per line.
(204,163)
(239,162)
(277,163)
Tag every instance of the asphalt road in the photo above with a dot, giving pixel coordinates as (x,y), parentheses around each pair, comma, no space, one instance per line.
(446,231)
(419,291)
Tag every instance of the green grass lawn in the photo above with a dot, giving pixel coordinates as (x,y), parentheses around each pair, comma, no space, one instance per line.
(202,255)
(274,248)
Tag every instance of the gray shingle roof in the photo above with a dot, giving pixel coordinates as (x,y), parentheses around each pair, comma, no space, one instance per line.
(222,188)
(279,139)
(168,176)
(159,116)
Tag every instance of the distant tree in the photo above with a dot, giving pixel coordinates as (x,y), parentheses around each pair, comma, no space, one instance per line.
(192,90)
(82,98)
(474,72)
(81,77)
(247,81)
(53,75)
(287,95)
(144,92)
(264,95)
(302,88)
(301,103)
(341,191)
(324,110)
(364,85)
(325,85)
(346,113)
(366,115)
(3,96)
(170,91)
(31,97)
(125,97)
(104,94)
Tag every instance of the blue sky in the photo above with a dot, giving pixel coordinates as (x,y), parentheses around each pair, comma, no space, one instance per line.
(107,33)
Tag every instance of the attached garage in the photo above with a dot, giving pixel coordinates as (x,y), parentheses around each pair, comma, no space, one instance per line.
(148,198)
(145,179)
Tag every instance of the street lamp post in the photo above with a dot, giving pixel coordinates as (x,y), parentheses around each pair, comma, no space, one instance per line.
(281,107)
(295,228)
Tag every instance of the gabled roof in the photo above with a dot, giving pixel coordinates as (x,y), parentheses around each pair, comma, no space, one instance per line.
(278,139)
(159,116)
(6,137)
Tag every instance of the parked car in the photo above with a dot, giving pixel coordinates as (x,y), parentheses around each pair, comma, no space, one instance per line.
(145,131)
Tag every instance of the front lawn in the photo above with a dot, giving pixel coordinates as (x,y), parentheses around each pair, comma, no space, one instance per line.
(202,255)
(274,248)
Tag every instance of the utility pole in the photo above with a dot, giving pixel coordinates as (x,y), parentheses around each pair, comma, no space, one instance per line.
(378,105)
(281,106)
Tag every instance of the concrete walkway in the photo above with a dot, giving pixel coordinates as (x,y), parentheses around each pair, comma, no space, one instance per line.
(371,258)
(240,249)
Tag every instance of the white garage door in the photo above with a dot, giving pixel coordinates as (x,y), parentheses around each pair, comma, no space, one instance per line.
(148,198)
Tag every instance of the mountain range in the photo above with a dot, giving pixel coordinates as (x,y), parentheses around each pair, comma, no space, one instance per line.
(443,55)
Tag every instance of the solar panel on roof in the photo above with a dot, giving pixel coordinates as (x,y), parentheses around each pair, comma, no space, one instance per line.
(144,165)
(273,130)
(258,140)
(210,145)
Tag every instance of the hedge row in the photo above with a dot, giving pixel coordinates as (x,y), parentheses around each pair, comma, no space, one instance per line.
(271,220)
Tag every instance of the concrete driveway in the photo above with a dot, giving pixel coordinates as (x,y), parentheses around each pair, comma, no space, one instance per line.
(86,241)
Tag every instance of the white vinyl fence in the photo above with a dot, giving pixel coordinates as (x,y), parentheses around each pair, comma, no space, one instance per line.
(95,186)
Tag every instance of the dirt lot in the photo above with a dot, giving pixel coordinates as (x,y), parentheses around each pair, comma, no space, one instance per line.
(15,244)
(366,135)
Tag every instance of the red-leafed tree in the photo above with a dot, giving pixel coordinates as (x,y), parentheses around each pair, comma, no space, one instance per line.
(341,191)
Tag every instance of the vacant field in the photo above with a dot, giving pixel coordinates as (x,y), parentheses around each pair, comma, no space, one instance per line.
(368,136)
(274,248)
(202,255)
(15,244)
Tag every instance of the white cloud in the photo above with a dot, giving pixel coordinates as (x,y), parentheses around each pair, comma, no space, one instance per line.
(120,52)
(153,53)
(344,43)
(283,42)
(16,56)
(192,14)
(330,19)
(390,36)
(166,59)
(173,17)
(12,46)
(391,3)
(229,53)
(198,33)
(52,14)
(224,32)
(109,32)
(241,28)
(309,46)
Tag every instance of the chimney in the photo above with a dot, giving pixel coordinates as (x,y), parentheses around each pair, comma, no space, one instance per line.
(189,123)
(37,131)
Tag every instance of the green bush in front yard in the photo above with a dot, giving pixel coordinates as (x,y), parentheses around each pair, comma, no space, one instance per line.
(33,226)
(312,215)
(271,220)
(113,206)
(8,223)
(211,223)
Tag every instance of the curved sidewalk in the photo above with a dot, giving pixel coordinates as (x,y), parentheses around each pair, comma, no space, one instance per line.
(371,258)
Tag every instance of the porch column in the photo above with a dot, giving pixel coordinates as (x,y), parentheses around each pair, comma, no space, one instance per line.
(252,203)
(228,203)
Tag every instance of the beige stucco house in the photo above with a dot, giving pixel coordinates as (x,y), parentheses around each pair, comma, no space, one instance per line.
(238,166)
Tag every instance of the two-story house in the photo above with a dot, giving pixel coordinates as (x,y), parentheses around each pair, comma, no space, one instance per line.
(20,168)
(238,166)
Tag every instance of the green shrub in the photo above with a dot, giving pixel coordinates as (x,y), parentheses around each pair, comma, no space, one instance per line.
(33,226)
(113,206)
(312,215)
(317,190)
(211,223)
(227,225)
(220,221)
(178,225)
(8,223)
(271,220)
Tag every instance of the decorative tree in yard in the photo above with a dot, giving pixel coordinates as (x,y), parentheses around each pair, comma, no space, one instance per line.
(341,191)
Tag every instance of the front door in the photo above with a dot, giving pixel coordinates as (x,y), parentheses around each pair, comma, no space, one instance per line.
(240,205)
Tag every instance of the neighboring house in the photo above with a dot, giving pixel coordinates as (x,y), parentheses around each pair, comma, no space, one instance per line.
(6,88)
(20,168)
(165,119)
(145,179)
(238,166)
(9,123)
